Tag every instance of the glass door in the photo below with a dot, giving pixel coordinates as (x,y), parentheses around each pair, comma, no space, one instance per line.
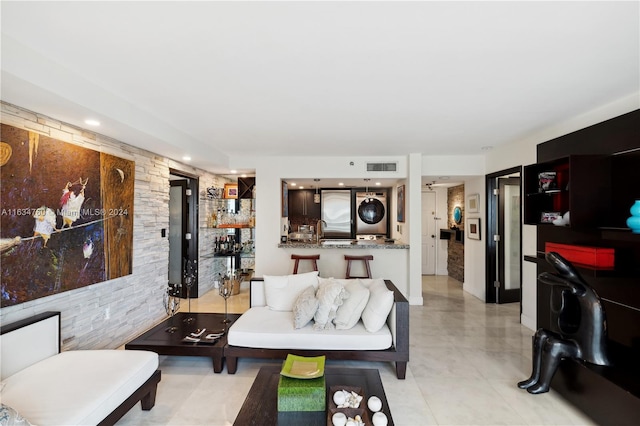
(509,246)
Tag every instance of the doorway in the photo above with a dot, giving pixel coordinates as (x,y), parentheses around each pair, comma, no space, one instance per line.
(429,232)
(504,242)
(183,232)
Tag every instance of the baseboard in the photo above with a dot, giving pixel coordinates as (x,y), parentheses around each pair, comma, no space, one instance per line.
(530,323)
(416,300)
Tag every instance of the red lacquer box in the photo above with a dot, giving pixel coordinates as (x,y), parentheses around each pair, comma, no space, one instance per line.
(599,257)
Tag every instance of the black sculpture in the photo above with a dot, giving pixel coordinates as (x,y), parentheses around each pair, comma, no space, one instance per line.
(582,323)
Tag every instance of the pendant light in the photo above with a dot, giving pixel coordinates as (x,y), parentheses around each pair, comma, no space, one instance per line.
(366,191)
(316,196)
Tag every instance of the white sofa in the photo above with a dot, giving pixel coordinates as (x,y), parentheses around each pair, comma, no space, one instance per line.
(83,387)
(268,329)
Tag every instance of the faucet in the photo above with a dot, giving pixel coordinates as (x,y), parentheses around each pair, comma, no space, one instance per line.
(320,230)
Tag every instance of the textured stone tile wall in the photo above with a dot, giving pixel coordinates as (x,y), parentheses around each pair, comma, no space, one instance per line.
(455,250)
(108,314)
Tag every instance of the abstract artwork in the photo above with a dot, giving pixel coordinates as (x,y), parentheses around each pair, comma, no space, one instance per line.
(401,203)
(66,216)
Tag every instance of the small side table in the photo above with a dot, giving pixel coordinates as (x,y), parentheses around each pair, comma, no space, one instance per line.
(167,337)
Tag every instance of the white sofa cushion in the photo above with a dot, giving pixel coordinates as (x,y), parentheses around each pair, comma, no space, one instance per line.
(260,327)
(378,306)
(305,307)
(330,295)
(349,312)
(10,417)
(77,387)
(281,291)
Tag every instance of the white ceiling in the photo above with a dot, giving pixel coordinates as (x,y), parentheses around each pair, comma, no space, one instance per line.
(223,80)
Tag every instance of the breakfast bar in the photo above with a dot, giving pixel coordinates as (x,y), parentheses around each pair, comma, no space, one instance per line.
(390,258)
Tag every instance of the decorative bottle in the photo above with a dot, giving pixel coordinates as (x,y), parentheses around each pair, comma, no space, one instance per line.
(633,221)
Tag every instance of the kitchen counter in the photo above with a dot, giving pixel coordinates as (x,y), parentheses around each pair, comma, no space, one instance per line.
(345,244)
(390,260)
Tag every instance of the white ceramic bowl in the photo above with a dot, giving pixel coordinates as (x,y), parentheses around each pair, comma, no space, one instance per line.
(374,403)
(379,419)
(339,419)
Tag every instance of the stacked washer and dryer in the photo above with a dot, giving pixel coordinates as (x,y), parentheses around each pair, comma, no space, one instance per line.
(371,215)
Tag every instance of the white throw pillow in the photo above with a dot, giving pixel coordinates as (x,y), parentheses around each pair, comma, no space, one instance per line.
(330,295)
(378,306)
(349,312)
(281,291)
(305,307)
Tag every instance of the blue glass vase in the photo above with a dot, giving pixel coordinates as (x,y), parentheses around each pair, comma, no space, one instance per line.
(634,221)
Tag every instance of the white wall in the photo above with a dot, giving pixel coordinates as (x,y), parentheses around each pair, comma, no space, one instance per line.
(414,228)
(474,250)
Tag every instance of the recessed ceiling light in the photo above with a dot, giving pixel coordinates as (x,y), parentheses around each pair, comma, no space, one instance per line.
(233,171)
(301,187)
(243,175)
(341,184)
(186,158)
(378,184)
(293,184)
(91,122)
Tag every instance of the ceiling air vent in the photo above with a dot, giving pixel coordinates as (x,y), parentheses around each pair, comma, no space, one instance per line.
(382,167)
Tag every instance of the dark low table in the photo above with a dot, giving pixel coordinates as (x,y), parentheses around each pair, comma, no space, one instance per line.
(261,405)
(167,337)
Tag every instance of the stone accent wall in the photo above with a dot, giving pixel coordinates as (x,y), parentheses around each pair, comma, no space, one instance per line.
(108,314)
(455,250)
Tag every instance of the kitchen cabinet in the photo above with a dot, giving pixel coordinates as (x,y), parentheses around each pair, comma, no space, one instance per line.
(302,207)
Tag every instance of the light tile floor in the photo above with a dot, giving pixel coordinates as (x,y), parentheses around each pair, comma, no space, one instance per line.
(466,357)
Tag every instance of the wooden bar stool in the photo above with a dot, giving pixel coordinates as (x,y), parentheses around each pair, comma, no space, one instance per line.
(313,258)
(365,259)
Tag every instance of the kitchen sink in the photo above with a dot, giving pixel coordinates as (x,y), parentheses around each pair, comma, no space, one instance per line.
(337,242)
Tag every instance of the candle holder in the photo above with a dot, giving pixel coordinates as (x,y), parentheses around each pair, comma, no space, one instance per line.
(225,292)
(189,279)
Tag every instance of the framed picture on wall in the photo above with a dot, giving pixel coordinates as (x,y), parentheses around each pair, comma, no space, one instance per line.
(401,203)
(473,203)
(285,199)
(231,190)
(473,228)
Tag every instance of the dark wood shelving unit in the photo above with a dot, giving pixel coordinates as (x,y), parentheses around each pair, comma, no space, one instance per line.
(598,175)
(583,182)
(245,187)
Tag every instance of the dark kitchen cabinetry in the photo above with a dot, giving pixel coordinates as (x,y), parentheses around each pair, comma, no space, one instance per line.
(302,208)
(597,179)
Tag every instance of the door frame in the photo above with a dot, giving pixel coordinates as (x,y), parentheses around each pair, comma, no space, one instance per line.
(512,295)
(492,211)
(191,216)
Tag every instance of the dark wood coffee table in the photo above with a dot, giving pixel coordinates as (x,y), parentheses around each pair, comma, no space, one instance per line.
(261,405)
(167,337)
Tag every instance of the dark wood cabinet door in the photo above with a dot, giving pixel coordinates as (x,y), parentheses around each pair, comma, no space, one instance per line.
(301,205)
(296,203)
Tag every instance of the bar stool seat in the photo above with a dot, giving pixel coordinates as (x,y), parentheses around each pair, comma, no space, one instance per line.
(364,259)
(298,257)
